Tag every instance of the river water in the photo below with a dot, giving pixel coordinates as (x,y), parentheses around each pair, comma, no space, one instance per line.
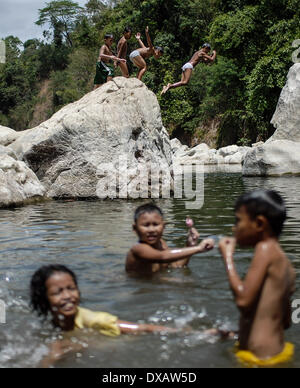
(92,238)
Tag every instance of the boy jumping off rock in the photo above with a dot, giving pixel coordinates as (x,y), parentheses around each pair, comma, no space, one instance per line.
(187,70)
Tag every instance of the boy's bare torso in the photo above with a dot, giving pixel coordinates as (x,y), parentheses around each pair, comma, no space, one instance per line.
(106,51)
(198,57)
(146,52)
(123,46)
(262,326)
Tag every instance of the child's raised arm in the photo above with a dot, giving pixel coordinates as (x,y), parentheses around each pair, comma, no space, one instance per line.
(149,39)
(138,37)
(245,292)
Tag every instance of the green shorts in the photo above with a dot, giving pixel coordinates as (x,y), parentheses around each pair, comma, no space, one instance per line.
(103,70)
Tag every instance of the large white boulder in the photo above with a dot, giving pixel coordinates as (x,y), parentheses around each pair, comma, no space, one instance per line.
(286,119)
(275,158)
(120,119)
(7,135)
(18,184)
(281,153)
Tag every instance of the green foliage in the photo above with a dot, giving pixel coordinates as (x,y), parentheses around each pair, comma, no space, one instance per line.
(240,91)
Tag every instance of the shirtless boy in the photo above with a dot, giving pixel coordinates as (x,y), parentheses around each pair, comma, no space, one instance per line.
(122,51)
(151,254)
(263,298)
(104,70)
(138,56)
(187,70)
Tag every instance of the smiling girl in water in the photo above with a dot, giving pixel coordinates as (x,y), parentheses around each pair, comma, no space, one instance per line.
(54,289)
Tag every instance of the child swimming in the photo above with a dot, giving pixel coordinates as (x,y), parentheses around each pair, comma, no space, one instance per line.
(263,298)
(54,289)
(151,254)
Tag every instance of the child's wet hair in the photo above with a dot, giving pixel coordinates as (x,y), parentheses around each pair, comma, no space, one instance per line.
(127,29)
(38,291)
(160,49)
(267,203)
(206,45)
(108,36)
(148,208)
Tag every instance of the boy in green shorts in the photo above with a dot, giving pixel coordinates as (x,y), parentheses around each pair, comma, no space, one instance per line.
(104,69)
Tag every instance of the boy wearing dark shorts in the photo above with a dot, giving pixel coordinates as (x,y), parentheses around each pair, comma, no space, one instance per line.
(104,69)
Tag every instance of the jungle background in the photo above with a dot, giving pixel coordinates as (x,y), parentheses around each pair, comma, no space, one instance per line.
(231,102)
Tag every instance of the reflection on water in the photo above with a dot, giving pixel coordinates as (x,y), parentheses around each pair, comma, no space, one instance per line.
(93,239)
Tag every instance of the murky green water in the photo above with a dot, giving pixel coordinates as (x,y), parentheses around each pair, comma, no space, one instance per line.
(93,239)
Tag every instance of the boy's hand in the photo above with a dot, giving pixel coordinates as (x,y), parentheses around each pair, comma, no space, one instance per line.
(227,247)
(138,36)
(147,29)
(193,237)
(207,245)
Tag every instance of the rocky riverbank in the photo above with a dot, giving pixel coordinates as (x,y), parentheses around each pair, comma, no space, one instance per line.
(70,154)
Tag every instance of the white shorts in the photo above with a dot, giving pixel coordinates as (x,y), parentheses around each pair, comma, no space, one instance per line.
(134,54)
(187,66)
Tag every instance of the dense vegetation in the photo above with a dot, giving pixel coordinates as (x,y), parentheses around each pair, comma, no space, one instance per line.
(237,95)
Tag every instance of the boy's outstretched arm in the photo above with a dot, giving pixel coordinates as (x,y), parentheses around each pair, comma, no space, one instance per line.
(112,57)
(149,254)
(247,291)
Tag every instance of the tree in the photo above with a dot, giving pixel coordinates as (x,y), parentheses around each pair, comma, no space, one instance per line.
(60,15)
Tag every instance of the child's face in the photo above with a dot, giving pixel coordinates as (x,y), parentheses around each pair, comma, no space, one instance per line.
(247,230)
(109,41)
(128,35)
(63,294)
(158,53)
(150,228)
(206,50)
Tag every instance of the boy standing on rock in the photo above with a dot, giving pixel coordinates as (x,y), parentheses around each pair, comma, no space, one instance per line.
(122,51)
(104,70)
(187,70)
(138,56)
